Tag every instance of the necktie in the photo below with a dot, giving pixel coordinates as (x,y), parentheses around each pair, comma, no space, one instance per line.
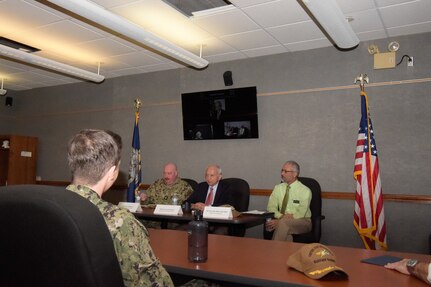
(285,199)
(209,199)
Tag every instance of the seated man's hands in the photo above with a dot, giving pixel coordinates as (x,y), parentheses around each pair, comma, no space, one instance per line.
(271,225)
(400,266)
(198,205)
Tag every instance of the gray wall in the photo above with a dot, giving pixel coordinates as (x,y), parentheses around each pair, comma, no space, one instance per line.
(316,128)
(7,115)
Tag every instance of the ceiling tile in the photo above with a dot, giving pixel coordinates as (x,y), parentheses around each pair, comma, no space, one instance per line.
(366,20)
(13,12)
(128,71)
(308,45)
(406,14)
(246,3)
(55,32)
(371,35)
(226,23)
(112,3)
(410,29)
(227,57)
(215,46)
(348,6)
(265,51)
(106,47)
(249,40)
(136,59)
(276,13)
(383,3)
(297,32)
(160,67)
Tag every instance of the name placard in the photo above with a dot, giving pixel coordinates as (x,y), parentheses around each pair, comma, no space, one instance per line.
(131,206)
(166,209)
(217,212)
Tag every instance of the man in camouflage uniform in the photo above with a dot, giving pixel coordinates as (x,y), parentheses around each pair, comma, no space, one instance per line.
(94,160)
(164,189)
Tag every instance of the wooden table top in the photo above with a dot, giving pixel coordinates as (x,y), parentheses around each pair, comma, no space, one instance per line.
(258,262)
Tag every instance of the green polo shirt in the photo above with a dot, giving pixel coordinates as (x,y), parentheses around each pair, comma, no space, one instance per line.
(298,203)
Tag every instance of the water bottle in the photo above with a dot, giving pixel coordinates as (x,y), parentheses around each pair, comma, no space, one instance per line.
(198,239)
(174,199)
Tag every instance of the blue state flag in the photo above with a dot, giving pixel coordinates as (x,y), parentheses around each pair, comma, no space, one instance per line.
(135,163)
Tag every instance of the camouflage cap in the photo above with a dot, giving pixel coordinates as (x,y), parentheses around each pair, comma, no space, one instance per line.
(315,260)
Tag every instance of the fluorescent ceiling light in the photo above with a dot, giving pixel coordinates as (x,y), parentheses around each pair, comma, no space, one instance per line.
(333,21)
(49,64)
(106,18)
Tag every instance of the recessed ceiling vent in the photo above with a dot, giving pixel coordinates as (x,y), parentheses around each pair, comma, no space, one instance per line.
(17,45)
(187,7)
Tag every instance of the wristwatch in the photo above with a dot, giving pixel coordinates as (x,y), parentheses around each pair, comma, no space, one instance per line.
(411,265)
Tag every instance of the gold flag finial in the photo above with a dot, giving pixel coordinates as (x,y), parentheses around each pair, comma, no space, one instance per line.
(362,79)
(138,105)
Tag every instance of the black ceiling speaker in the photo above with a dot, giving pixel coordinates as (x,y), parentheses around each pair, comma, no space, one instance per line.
(227,77)
(9,101)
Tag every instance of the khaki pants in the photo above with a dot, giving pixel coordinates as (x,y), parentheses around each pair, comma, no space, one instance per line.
(286,227)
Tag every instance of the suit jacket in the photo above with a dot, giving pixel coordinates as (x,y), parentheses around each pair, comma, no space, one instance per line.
(200,194)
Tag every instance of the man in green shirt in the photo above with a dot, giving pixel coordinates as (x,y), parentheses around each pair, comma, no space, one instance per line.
(290,202)
(94,160)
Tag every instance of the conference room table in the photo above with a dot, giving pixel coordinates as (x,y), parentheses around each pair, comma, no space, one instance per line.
(237,225)
(240,261)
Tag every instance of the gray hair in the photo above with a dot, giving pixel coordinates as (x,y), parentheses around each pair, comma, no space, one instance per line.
(294,164)
(217,167)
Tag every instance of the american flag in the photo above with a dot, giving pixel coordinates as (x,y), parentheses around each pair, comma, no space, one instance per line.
(369,217)
(135,162)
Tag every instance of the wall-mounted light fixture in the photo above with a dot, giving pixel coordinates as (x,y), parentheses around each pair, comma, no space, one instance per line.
(49,64)
(106,18)
(333,21)
(384,60)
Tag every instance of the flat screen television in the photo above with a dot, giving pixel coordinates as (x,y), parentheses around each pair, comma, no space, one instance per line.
(221,114)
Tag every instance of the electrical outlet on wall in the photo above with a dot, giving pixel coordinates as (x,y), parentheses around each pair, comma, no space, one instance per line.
(410,62)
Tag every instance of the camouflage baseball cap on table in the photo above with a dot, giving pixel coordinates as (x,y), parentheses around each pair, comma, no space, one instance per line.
(316,261)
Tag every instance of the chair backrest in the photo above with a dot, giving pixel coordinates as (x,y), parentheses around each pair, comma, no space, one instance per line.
(239,191)
(193,183)
(316,212)
(53,237)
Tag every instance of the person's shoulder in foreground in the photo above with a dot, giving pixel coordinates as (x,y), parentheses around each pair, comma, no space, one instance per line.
(94,158)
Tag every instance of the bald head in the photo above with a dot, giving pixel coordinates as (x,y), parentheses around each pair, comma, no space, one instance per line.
(170,173)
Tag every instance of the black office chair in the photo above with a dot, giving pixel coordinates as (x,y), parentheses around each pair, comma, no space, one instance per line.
(53,237)
(316,214)
(239,191)
(193,183)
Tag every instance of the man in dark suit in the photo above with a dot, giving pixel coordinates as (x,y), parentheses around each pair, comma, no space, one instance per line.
(212,192)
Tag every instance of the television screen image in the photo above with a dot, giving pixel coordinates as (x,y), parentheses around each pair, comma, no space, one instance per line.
(237,129)
(220,114)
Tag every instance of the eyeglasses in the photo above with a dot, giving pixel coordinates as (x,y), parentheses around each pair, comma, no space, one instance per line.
(285,171)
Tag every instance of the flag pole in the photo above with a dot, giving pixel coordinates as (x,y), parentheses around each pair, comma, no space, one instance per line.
(138,105)
(362,79)
(369,216)
(135,160)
